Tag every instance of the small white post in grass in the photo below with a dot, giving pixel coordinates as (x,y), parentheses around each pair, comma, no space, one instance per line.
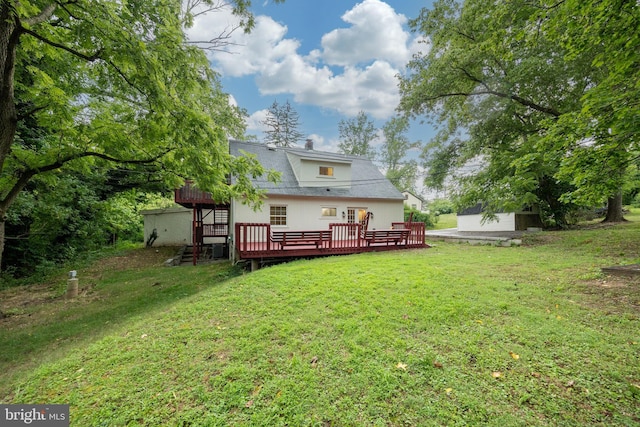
(72,285)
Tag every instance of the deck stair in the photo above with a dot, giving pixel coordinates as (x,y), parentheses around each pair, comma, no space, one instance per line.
(187,254)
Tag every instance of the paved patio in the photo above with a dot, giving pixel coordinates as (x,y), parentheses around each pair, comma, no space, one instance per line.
(498,238)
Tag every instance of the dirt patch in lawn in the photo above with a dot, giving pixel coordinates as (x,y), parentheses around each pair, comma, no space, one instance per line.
(22,304)
(615,294)
(139,258)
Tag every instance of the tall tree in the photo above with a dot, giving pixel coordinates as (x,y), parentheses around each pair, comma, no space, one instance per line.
(603,135)
(400,171)
(282,123)
(501,82)
(356,135)
(113,83)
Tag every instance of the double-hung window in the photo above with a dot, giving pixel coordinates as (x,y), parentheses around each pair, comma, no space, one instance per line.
(278,215)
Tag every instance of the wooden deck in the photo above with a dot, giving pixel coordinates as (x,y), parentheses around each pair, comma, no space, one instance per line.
(259,241)
(253,241)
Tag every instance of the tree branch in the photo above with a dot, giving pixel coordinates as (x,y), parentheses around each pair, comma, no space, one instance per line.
(26,175)
(45,14)
(90,58)
(217,43)
(520,100)
(66,9)
(463,34)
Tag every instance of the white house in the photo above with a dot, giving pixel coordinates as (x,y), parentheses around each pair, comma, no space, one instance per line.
(413,201)
(316,189)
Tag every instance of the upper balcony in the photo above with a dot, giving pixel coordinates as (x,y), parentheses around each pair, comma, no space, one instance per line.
(189,196)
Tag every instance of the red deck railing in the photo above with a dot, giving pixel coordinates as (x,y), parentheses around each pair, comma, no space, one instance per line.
(416,235)
(253,240)
(188,194)
(215,230)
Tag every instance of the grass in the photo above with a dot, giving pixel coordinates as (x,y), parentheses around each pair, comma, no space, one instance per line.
(446,221)
(452,335)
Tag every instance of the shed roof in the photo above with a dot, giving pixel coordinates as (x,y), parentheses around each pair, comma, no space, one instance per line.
(367,181)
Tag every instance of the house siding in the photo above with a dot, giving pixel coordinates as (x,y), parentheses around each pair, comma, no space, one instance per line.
(412,201)
(306,213)
(470,219)
(307,171)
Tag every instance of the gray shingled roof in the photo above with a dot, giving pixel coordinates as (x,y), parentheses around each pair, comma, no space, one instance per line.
(473,210)
(367,182)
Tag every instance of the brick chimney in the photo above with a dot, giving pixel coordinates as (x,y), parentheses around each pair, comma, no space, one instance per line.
(308,145)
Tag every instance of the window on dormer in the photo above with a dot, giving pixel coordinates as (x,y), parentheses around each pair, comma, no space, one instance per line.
(326,171)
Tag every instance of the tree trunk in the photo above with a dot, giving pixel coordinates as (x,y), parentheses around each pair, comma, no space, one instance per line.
(614,209)
(9,37)
(2,222)
(8,119)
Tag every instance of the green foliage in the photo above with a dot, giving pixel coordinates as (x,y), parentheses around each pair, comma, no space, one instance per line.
(400,171)
(441,206)
(631,187)
(114,85)
(602,135)
(356,136)
(52,223)
(62,218)
(417,216)
(527,111)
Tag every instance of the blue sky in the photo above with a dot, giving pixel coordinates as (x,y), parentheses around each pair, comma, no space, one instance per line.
(330,59)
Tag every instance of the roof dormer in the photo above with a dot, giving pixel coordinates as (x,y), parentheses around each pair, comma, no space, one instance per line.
(320,171)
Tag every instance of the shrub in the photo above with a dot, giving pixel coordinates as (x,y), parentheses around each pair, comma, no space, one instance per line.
(418,216)
(441,207)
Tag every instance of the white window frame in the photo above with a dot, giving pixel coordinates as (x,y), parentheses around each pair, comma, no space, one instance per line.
(273,217)
(324,210)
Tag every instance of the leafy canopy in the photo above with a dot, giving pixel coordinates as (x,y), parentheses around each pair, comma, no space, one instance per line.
(399,170)
(514,88)
(86,85)
(356,135)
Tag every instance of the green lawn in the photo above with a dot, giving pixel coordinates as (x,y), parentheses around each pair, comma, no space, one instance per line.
(446,221)
(451,335)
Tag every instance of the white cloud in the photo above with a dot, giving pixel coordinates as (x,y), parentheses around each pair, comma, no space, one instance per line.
(255,121)
(376,33)
(372,89)
(255,52)
(366,57)
(421,45)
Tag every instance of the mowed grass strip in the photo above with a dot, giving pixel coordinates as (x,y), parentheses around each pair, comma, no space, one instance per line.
(452,335)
